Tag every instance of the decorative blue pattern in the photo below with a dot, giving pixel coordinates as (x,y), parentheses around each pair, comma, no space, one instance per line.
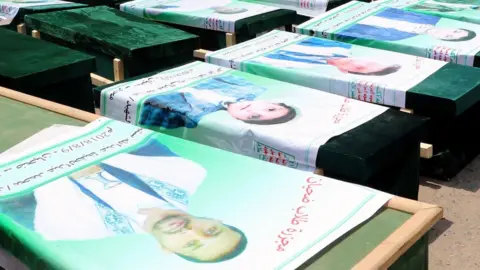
(169,191)
(114,221)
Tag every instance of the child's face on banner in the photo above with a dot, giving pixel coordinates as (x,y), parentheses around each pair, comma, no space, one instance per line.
(256,110)
(199,238)
(358,65)
(447,33)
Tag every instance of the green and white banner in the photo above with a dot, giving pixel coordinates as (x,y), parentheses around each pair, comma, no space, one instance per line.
(310,8)
(344,69)
(239,112)
(466,10)
(10,8)
(375,25)
(218,15)
(115,196)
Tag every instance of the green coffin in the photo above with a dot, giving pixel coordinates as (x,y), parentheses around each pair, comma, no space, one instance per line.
(357,243)
(468,11)
(305,9)
(366,154)
(107,33)
(210,24)
(375,25)
(46,70)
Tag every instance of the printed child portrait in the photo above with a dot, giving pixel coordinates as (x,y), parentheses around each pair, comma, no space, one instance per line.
(393,24)
(228,93)
(313,52)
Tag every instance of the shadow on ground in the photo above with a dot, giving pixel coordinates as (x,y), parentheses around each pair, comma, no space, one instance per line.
(467,179)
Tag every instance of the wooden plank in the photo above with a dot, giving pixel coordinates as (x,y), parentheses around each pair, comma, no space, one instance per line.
(48,105)
(98,80)
(200,54)
(387,252)
(319,171)
(405,110)
(22,29)
(118,71)
(231,39)
(36,34)
(426,150)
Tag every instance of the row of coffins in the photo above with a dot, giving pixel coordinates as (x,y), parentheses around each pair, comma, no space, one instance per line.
(91,30)
(286,121)
(111,195)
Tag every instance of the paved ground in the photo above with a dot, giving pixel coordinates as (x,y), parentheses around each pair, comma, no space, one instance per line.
(455,240)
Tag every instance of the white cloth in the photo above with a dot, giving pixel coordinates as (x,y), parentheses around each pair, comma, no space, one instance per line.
(415,28)
(64,212)
(186,6)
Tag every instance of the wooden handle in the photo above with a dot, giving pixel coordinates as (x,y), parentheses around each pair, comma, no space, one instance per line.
(48,105)
(98,80)
(231,39)
(426,150)
(22,29)
(36,34)
(118,70)
(200,54)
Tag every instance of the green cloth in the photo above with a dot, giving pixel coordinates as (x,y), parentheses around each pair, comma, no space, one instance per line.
(447,93)
(45,70)
(110,3)
(302,18)
(382,153)
(342,254)
(32,119)
(453,105)
(355,245)
(455,144)
(107,33)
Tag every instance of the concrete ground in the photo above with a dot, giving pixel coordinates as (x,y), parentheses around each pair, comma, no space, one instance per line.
(455,240)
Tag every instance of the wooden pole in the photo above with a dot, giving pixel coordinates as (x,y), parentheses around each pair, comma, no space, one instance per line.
(22,29)
(231,39)
(118,71)
(36,34)
(48,105)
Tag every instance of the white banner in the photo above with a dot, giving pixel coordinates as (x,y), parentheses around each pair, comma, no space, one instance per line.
(348,70)
(271,120)
(9,9)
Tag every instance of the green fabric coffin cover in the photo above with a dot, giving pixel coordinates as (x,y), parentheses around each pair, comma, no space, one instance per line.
(38,9)
(466,10)
(378,26)
(110,3)
(107,33)
(357,243)
(244,29)
(305,9)
(375,25)
(382,153)
(45,70)
(436,89)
